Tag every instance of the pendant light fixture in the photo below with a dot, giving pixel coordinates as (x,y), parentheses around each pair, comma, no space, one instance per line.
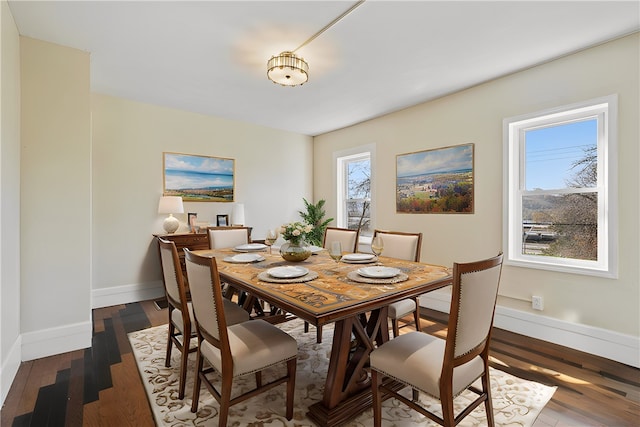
(288,69)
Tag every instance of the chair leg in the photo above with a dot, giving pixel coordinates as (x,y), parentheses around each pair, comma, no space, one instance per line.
(394,326)
(446,401)
(376,381)
(167,360)
(319,334)
(258,379)
(306,327)
(488,404)
(291,386)
(416,317)
(184,361)
(225,399)
(197,381)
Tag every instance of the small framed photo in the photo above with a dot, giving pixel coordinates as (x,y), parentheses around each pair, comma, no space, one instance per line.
(222,220)
(192,217)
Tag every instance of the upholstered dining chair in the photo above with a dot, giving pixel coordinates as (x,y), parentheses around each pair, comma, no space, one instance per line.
(401,245)
(228,237)
(234,350)
(349,241)
(180,310)
(348,238)
(445,368)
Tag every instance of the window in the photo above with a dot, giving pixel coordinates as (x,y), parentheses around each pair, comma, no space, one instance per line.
(559,189)
(354,191)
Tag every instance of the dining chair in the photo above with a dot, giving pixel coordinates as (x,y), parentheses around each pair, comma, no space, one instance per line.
(349,240)
(234,350)
(401,245)
(180,311)
(444,368)
(228,237)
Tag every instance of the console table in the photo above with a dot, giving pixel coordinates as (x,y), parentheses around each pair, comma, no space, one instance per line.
(191,241)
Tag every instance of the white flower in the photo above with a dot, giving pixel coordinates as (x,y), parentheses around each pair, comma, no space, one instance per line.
(296,232)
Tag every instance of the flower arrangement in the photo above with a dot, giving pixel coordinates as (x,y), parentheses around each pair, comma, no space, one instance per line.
(295,232)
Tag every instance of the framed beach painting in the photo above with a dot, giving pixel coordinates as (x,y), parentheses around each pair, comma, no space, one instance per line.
(198,178)
(435,181)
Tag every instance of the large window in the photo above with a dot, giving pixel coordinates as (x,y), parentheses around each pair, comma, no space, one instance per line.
(354,192)
(560,209)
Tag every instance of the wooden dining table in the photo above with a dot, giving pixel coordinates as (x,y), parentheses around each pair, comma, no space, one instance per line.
(334,292)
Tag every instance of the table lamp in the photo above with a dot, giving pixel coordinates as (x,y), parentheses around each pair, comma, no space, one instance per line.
(237,214)
(170,205)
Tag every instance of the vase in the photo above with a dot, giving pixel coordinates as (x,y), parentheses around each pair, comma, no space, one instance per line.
(295,251)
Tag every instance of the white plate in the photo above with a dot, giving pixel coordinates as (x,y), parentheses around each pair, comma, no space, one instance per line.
(242,258)
(251,247)
(288,272)
(315,249)
(378,272)
(358,257)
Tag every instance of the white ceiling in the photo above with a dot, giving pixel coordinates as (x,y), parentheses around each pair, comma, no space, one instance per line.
(210,56)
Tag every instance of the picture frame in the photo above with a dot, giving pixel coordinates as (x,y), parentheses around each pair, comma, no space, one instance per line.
(192,217)
(222,220)
(440,180)
(198,178)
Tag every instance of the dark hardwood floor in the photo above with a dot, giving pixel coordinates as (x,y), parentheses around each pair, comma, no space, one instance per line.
(100,386)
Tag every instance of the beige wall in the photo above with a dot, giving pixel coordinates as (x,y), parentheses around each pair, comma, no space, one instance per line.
(9,199)
(273,171)
(55,193)
(475,116)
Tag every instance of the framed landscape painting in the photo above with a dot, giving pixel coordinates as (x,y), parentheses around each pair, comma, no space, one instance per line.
(198,178)
(435,181)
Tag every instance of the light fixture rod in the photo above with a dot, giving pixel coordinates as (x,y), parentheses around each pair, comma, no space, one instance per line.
(329,25)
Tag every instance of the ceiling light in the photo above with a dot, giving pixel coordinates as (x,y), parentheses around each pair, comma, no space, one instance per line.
(288,69)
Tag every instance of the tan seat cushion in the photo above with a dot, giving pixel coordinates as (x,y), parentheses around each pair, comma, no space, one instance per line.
(416,359)
(254,345)
(176,318)
(401,308)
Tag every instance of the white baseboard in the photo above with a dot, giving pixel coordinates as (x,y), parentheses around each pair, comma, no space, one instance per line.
(10,368)
(600,342)
(47,342)
(106,297)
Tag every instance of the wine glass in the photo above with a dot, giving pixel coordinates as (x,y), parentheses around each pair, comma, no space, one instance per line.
(335,251)
(377,245)
(270,239)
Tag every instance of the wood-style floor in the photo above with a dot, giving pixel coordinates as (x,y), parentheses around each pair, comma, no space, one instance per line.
(100,386)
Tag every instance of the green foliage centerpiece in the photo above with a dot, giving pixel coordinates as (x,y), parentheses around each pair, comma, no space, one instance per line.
(295,249)
(315,217)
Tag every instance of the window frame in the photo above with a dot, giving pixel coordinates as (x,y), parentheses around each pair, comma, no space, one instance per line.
(341,158)
(514,128)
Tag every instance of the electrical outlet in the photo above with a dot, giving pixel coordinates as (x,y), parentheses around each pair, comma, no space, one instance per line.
(537,303)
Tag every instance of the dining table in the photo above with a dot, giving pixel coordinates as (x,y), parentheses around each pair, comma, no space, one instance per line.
(348,293)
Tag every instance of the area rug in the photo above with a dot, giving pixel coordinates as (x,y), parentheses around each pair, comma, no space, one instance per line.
(516,402)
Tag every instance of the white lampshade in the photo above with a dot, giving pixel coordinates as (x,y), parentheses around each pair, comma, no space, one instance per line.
(170,205)
(237,214)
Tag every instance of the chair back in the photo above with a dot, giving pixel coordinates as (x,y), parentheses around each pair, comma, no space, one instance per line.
(172,274)
(401,245)
(227,237)
(206,298)
(473,302)
(348,238)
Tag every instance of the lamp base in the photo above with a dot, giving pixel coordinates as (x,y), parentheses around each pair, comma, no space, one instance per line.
(171,224)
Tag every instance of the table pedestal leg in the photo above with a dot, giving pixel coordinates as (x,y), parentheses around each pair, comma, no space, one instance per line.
(347,391)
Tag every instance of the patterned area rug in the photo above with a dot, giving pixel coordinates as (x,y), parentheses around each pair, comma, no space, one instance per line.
(516,402)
